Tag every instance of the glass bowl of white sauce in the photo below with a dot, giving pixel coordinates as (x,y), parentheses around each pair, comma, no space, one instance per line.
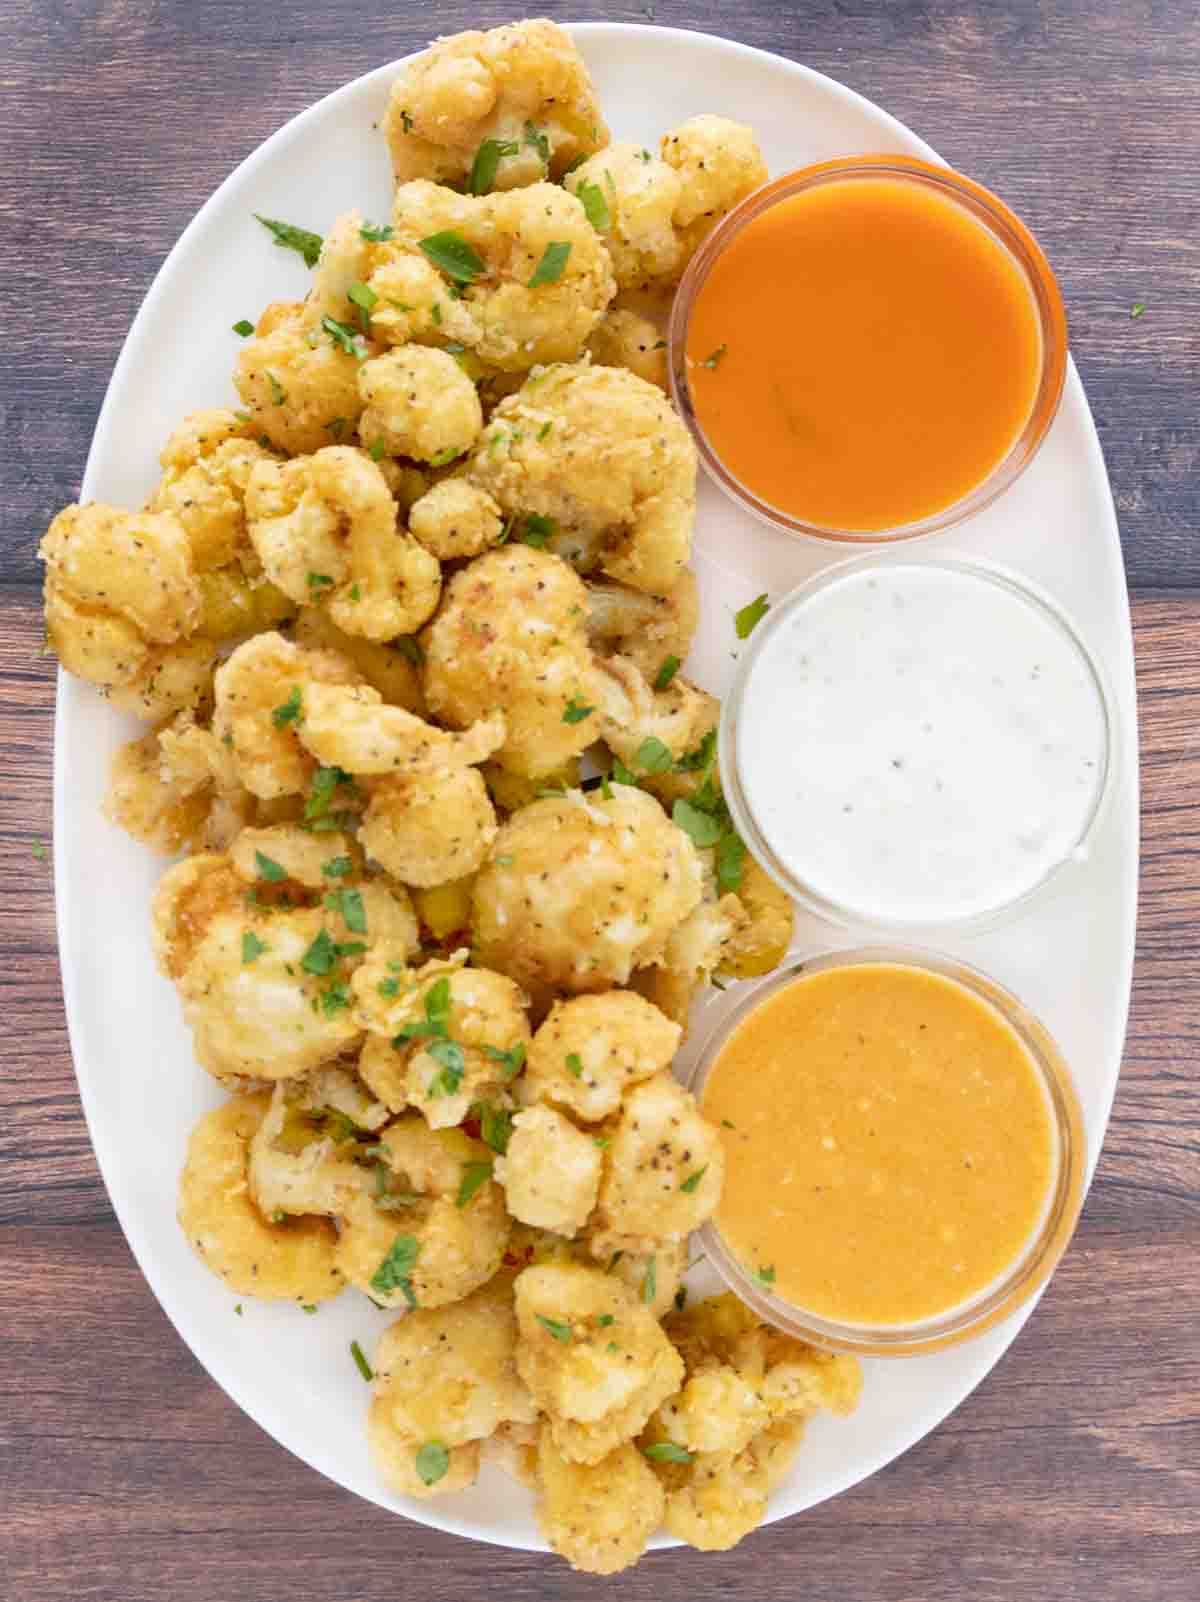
(916,743)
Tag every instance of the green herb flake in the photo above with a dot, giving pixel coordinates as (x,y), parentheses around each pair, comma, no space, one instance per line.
(668,1452)
(320,956)
(1138,309)
(349,903)
(745,620)
(714,361)
(376,233)
(337,867)
(252,946)
(560,1331)
(511,1062)
(244,327)
(666,672)
(544,430)
(692,1182)
(451,254)
(621,774)
(289,237)
(308,1307)
(290,711)
(360,1361)
(503,860)
(344,337)
(238,1309)
(268,868)
(433,1462)
(591,197)
(650,1281)
(652,756)
(362,296)
(536,530)
(613,1261)
(766,1274)
(436,313)
(388,988)
(537,140)
(577,710)
(278,393)
(704,830)
(487,161)
(38,851)
(450,454)
(377,450)
(731,859)
(474,1176)
(395,1271)
(449,1055)
(495,1126)
(336,426)
(554,259)
(603,1320)
(574,1064)
(318,582)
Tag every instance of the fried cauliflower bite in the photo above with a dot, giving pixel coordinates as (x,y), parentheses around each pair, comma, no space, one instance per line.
(207,464)
(511,634)
(299,386)
(350,727)
(623,339)
(722,1497)
(391,669)
(594,1358)
(325,529)
(260,708)
(631,713)
(648,630)
(719,164)
(550,1172)
(456,1036)
(418,402)
(449,1374)
(599,1516)
(409,1243)
(718,1410)
(664,1168)
(395,1461)
(604,457)
(763,936)
(653,1277)
(455,520)
(295,1165)
(445,909)
(120,597)
(302,856)
(580,890)
(534,276)
(176,788)
(592,1049)
(427,828)
(524,86)
(292,1259)
(638,197)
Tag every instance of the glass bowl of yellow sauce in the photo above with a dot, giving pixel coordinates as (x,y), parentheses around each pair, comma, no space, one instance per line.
(868,349)
(904,1151)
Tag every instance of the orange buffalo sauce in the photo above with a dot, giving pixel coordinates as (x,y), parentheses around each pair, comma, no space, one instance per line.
(863,354)
(889,1145)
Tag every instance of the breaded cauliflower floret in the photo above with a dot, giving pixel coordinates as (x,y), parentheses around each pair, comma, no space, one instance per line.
(351,728)
(723,1496)
(593,1356)
(533,276)
(592,1049)
(603,456)
(524,86)
(418,402)
(296,1165)
(580,890)
(550,1172)
(449,1374)
(302,855)
(623,339)
(718,1410)
(177,788)
(291,1259)
(299,386)
(511,634)
(395,1460)
(665,1165)
(391,668)
(599,1516)
(653,1277)
(324,527)
(260,707)
(638,195)
(455,520)
(207,464)
(120,592)
(650,630)
(427,828)
(186,899)
(631,712)
(413,1245)
(719,164)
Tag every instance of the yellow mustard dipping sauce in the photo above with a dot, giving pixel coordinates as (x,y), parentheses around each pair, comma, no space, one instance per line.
(889,1144)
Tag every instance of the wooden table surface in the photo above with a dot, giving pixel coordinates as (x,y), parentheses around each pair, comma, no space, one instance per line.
(1071,1475)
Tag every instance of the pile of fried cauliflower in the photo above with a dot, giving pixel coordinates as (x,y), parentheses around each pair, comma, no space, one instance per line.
(373,620)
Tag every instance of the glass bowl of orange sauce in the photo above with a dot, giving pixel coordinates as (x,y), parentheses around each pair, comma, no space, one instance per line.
(904,1151)
(869,349)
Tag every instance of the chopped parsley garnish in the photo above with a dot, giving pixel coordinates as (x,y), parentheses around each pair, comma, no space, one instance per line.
(290,237)
(613,1261)
(318,582)
(1138,309)
(268,868)
(554,259)
(474,1175)
(308,1307)
(365,298)
(702,827)
(252,946)
(591,197)
(336,426)
(450,454)
(344,337)
(436,313)
(450,253)
(537,140)
(603,1320)
(244,327)
(650,1281)
(577,710)
(731,858)
(544,430)
(290,711)
(766,1274)
(238,1309)
(39,851)
(504,860)
(745,620)
(453,1064)
(666,672)
(644,155)
(376,233)
(433,1462)
(364,1368)
(321,955)
(652,756)
(621,774)
(350,904)
(278,393)
(536,530)
(377,450)
(575,1064)
(325,782)
(692,1182)
(337,867)
(487,160)
(714,361)
(668,1452)
(702,758)
(437,1015)
(495,1126)
(511,1062)
(395,1271)
(388,988)
(560,1331)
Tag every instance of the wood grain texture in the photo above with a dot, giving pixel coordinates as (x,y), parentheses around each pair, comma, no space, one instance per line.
(1071,1475)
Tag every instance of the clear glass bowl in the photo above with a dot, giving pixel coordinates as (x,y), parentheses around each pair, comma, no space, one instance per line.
(788,878)
(1005,228)
(1028,1272)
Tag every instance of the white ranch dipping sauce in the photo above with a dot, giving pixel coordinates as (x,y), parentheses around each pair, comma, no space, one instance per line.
(920,742)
